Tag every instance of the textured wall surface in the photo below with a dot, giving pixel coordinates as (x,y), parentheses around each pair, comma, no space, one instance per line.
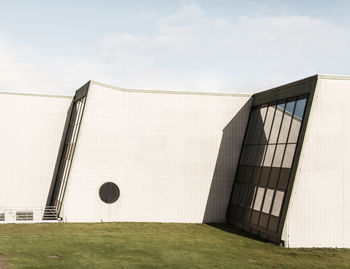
(318,214)
(173,156)
(31,131)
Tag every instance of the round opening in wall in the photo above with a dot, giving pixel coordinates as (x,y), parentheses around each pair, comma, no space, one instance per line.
(109,192)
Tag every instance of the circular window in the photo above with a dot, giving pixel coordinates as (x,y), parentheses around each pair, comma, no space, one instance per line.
(109,192)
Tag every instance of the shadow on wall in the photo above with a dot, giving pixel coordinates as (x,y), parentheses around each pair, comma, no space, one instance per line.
(251,169)
(226,165)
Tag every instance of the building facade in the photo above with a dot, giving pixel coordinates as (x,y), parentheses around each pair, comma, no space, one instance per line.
(273,164)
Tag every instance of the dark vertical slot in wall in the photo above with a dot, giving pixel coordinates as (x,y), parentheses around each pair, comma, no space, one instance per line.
(67,154)
(63,166)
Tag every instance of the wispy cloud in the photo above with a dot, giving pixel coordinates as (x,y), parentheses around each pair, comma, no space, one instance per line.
(189,49)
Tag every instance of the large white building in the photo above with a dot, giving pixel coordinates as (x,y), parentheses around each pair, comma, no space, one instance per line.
(274,163)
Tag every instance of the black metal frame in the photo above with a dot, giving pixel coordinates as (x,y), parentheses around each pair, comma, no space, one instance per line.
(55,190)
(292,91)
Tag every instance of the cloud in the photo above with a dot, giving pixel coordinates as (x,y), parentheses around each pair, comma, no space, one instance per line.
(190,49)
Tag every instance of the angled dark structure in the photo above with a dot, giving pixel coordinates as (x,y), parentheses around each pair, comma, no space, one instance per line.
(269,158)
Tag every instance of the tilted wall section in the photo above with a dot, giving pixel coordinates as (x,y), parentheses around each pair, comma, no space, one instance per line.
(172,155)
(266,172)
(318,214)
(31,132)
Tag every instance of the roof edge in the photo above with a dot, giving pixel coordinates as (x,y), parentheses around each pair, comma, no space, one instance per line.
(288,85)
(37,94)
(169,92)
(337,77)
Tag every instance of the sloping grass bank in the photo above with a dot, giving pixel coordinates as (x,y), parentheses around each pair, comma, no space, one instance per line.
(151,245)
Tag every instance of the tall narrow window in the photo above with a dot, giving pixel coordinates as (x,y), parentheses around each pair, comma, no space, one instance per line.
(67,153)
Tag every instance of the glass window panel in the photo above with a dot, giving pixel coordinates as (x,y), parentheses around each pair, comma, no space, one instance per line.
(250,191)
(276,123)
(248,173)
(287,118)
(269,155)
(297,120)
(277,203)
(251,127)
(245,153)
(259,125)
(264,219)
(267,201)
(273,179)
(281,106)
(300,108)
(252,154)
(284,178)
(259,156)
(267,125)
(255,217)
(248,154)
(247,213)
(277,160)
(288,156)
(290,107)
(258,198)
(265,172)
(273,224)
(251,198)
(244,194)
(256,175)
(294,130)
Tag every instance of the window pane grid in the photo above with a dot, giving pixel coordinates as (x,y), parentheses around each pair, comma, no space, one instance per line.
(257,194)
(265,163)
(277,203)
(268,172)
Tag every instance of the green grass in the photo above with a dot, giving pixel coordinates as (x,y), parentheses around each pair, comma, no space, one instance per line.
(151,245)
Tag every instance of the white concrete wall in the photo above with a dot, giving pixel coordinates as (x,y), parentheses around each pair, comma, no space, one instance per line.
(319,210)
(31,131)
(168,153)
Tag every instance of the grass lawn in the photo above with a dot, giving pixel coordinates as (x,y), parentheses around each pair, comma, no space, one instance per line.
(151,245)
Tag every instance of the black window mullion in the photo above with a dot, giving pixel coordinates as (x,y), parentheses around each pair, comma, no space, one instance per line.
(284,152)
(265,191)
(285,192)
(257,186)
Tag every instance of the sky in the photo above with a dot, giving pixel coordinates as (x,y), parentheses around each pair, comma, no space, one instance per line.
(233,46)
